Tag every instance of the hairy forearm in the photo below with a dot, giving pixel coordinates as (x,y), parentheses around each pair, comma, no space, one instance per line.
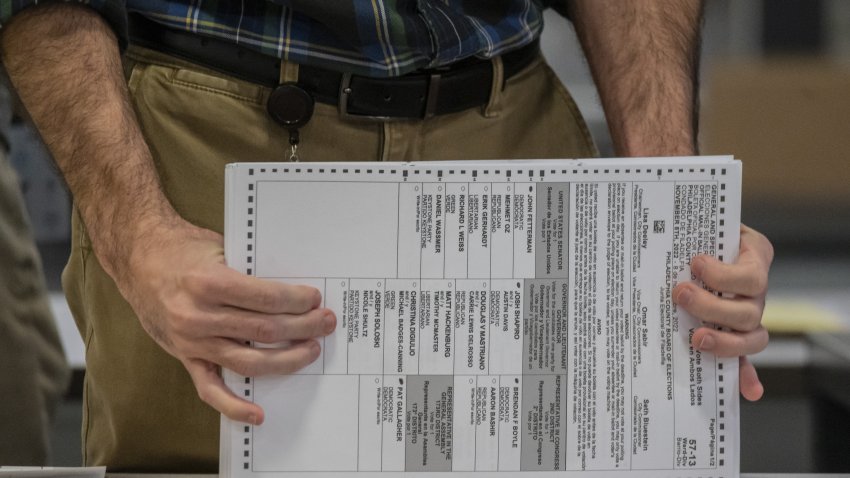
(644,58)
(63,61)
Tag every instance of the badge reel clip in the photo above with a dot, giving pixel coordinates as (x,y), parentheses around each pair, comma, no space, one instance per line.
(291,107)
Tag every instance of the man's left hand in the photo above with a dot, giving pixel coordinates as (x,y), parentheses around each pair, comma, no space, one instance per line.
(745,285)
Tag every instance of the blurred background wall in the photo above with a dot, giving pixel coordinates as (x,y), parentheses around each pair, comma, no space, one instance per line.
(775,94)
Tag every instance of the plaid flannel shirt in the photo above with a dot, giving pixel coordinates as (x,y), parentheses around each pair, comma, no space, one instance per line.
(368,37)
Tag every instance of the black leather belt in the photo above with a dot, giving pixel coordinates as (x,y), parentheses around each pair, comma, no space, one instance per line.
(421,94)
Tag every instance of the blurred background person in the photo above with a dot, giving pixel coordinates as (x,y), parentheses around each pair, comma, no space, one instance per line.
(33,370)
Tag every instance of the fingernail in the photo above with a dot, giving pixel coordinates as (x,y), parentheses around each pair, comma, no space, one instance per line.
(697,266)
(317,299)
(328,323)
(315,350)
(707,343)
(252,419)
(684,297)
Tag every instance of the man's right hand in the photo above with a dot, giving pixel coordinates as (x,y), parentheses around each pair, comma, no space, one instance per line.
(203,313)
(64,62)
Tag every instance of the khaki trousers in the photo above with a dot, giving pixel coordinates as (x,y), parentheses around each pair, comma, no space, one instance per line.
(141,411)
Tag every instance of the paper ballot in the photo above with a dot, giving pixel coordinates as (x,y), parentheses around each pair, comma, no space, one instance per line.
(495,318)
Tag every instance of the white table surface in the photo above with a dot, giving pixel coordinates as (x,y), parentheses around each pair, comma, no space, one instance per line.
(743,475)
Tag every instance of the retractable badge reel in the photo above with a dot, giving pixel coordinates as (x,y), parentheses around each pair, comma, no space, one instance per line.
(291,107)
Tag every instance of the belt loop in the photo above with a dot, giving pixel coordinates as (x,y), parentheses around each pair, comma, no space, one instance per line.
(494,105)
(431,96)
(288,72)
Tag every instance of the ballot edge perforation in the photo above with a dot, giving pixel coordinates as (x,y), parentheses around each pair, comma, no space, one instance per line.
(247,387)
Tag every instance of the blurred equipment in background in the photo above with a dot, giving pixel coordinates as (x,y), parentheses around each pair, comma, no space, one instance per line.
(787,119)
(782,106)
(829,380)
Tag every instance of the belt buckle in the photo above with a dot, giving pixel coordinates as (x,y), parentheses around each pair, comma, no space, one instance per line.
(430,101)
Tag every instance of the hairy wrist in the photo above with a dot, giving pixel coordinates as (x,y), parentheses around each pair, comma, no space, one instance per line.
(644,56)
(64,63)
